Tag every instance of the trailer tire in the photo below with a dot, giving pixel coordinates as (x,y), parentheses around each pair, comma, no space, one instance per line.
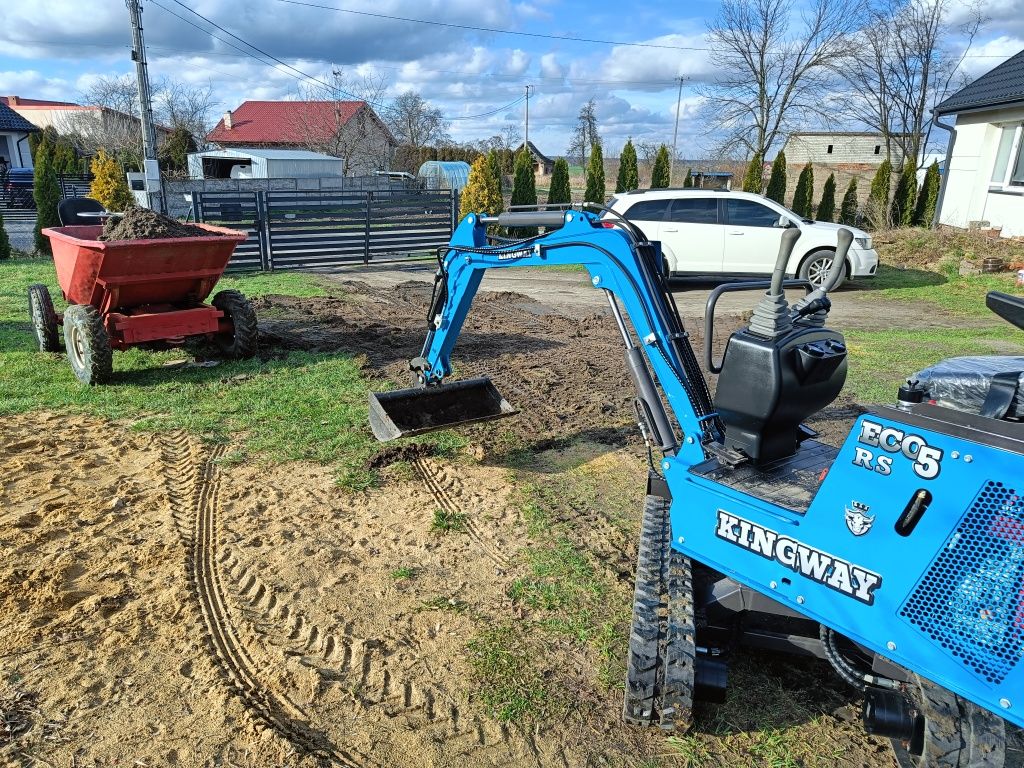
(87,344)
(661,660)
(956,733)
(242,342)
(44,318)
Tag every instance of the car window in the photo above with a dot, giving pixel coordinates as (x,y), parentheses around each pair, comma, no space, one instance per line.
(747,213)
(694,210)
(648,210)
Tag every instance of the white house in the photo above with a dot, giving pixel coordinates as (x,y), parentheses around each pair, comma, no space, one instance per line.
(14,132)
(984,179)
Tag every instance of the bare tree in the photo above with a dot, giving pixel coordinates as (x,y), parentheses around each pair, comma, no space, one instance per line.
(336,118)
(585,134)
(415,123)
(901,66)
(773,76)
(178,106)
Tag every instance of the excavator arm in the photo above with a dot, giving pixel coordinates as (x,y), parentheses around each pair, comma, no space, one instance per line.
(622,263)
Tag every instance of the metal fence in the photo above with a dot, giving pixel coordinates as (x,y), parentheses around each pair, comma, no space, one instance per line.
(291,230)
(17,200)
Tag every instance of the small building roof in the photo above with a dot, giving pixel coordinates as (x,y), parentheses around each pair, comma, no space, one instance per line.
(535,152)
(21,101)
(12,121)
(842,133)
(267,153)
(999,86)
(284,122)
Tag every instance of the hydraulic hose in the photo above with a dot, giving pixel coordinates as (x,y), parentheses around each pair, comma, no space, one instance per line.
(849,674)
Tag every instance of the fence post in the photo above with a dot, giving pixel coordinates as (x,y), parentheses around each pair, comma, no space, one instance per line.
(266,245)
(197,207)
(366,231)
(454,210)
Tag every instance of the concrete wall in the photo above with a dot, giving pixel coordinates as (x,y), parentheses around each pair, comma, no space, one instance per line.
(856,149)
(967,197)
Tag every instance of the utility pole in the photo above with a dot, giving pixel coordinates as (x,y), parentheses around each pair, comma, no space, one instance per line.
(527,139)
(675,133)
(150,166)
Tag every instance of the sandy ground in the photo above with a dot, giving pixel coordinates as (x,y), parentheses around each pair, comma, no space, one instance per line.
(162,605)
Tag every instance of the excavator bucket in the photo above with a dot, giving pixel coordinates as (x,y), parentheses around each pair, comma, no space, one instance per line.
(407,412)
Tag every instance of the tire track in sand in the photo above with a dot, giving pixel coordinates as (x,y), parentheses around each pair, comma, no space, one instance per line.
(192,491)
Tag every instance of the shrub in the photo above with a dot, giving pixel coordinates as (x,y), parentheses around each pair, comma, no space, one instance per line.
(827,206)
(46,194)
(753,179)
(659,174)
(5,243)
(524,186)
(560,193)
(924,211)
(109,185)
(595,176)
(803,196)
(688,181)
(495,165)
(777,180)
(629,174)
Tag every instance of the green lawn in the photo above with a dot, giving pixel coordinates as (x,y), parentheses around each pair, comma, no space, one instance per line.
(946,289)
(300,406)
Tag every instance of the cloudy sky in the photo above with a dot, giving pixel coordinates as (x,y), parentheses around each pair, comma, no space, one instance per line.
(55,48)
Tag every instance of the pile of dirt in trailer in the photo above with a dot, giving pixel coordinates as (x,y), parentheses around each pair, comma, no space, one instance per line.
(565,375)
(144,224)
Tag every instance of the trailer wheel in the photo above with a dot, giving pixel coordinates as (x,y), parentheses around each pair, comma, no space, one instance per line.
(44,317)
(952,732)
(241,343)
(87,344)
(662,651)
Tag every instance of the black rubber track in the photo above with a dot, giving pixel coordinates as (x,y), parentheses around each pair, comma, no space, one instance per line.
(44,318)
(957,732)
(97,359)
(241,345)
(660,664)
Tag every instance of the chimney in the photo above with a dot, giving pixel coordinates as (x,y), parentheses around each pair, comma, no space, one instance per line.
(227,120)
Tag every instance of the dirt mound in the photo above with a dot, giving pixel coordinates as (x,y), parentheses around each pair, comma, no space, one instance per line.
(144,224)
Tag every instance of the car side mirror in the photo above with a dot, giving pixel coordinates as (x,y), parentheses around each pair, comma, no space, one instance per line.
(783,222)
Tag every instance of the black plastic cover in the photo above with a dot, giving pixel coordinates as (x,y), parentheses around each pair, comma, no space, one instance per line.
(963,383)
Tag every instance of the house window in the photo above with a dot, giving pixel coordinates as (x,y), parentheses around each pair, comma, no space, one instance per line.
(878,149)
(829,150)
(1008,171)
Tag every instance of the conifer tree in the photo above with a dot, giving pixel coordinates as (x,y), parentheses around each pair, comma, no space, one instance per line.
(848,211)
(109,184)
(560,192)
(629,174)
(827,206)
(753,179)
(46,191)
(480,195)
(688,181)
(495,166)
(777,180)
(803,196)
(659,174)
(905,196)
(924,211)
(878,198)
(595,192)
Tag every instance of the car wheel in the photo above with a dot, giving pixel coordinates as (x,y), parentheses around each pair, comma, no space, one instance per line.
(815,269)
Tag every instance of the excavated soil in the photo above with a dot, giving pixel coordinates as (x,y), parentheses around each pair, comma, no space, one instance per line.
(143,224)
(161,605)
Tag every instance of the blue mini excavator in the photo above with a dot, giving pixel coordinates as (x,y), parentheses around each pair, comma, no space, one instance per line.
(897,557)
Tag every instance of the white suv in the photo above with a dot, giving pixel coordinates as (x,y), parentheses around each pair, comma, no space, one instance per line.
(718,232)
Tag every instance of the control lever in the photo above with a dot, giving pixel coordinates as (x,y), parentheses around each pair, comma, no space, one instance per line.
(771,317)
(813,308)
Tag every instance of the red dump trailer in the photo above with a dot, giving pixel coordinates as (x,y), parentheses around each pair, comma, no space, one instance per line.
(127,293)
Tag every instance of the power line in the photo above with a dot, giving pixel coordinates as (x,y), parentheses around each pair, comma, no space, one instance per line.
(490,29)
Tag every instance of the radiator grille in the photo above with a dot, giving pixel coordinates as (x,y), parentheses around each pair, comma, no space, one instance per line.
(971,600)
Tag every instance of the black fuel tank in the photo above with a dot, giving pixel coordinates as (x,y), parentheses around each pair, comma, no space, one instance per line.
(767,387)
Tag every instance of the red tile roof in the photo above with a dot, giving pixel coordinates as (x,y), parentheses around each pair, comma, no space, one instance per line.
(283,122)
(19,101)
